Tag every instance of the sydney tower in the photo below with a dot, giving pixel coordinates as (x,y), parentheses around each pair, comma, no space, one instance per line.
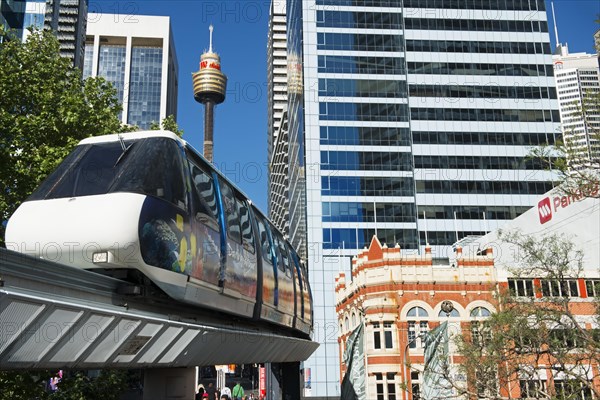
(209,89)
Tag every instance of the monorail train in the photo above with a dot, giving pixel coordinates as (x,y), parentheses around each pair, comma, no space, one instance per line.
(148,202)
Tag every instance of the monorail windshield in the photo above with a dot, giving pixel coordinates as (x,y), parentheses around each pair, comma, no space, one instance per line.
(151,166)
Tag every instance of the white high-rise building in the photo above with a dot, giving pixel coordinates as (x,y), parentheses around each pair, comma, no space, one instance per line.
(577,75)
(136,53)
(411,120)
(277,104)
(68,19)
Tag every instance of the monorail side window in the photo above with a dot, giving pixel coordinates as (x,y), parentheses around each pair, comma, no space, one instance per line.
(231,212)
(247,234)
(295,264)
(284,254)
(280,256)
(204,195)
(265,243)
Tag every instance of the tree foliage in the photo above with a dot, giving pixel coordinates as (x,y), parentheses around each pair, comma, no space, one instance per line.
(168,124)
(19,385)
(75,385)
(45,109)
(534,332)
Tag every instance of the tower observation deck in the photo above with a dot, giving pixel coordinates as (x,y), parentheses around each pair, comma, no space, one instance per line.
(209,89)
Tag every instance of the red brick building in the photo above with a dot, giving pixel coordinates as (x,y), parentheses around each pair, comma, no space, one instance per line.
(398,297)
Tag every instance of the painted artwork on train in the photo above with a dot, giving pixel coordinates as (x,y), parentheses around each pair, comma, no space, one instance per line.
(169,241)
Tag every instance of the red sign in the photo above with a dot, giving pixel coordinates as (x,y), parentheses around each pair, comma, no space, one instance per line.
(213,65)
(262,382)
(545,210)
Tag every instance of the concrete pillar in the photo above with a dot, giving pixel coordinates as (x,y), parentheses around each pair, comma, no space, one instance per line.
(170,384)
(291,380)
(273,381)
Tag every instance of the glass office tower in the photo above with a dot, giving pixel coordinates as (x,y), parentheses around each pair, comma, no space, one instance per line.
(19,15)
(11,15)
(139,59)
(145,85)
(414,123)
(35,11)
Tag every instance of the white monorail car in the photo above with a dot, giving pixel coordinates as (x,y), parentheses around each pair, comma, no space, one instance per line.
(148,202)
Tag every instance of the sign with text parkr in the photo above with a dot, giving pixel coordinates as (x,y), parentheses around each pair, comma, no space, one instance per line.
(551,205)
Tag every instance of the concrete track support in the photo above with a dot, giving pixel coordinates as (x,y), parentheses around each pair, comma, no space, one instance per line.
(170,384)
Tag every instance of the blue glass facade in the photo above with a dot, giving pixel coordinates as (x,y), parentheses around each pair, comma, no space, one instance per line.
(416,124)
(111,65)
(367,186)
(145,86)
(297,157)
(88,60)
(364,135)
(360,42)
(12,15)
(353,64)
(351,238)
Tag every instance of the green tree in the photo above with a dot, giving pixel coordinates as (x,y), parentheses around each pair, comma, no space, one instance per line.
(168,124)
(74,385)
(45,109)
(79,386)
(538,331)
(20,385)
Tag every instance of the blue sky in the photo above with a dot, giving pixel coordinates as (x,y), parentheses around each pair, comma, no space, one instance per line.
(240,39)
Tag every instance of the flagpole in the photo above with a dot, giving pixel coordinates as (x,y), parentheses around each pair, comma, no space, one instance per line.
(339,260)
(455,227)
(485,223)
(375,215)
(344,248)
(425,220)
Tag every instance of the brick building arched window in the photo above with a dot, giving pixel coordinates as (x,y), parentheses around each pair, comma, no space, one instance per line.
(418,325)
(479,332)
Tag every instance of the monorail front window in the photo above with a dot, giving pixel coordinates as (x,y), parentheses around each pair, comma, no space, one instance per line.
(152,166)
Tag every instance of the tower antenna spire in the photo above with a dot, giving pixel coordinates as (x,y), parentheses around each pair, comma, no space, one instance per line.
(555,27)
(209,89)
(210,29)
